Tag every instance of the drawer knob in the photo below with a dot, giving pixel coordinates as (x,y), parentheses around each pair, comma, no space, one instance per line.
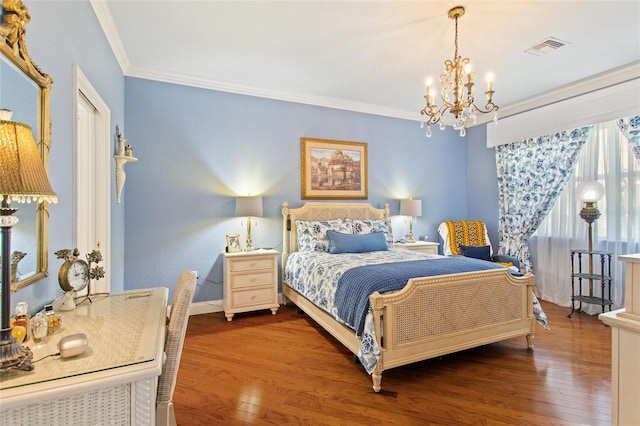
(253,263)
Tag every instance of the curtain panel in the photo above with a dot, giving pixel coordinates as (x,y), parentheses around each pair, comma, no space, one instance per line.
(630,128)
(531,175)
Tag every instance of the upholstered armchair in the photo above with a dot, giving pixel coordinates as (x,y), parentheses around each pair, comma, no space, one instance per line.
(469,238)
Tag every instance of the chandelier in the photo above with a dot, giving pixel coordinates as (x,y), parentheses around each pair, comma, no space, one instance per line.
(456,92)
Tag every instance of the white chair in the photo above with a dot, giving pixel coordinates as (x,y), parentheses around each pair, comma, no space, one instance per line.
(178,320)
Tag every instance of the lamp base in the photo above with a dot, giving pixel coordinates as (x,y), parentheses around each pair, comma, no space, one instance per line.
(409,237)
(12,354)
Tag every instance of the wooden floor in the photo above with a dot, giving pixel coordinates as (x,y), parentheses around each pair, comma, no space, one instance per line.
(262,369)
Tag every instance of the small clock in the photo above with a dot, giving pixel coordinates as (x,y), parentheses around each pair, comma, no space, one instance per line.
(73,275)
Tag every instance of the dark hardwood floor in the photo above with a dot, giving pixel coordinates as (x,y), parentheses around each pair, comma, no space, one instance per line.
(262,369)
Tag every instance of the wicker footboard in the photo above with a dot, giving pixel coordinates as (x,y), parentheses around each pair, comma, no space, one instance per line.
(444,314)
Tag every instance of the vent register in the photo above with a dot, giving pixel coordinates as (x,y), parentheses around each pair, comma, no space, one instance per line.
(547,45)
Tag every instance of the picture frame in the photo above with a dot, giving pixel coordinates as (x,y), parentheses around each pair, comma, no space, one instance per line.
(233,243)
(333,169)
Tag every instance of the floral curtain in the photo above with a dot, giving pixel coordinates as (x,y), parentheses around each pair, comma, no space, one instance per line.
(630,127)
(531,175)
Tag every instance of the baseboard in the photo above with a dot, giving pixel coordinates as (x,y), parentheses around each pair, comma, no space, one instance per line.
(206,307)
(210,306)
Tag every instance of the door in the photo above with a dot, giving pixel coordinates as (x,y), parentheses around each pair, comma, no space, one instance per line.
(92,154)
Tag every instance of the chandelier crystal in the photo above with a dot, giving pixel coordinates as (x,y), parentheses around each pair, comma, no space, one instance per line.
(456,92)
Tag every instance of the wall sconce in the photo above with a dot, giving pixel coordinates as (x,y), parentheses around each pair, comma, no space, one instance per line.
(23,178)
(411,208)
(589,193)
(124,156)
(249,207)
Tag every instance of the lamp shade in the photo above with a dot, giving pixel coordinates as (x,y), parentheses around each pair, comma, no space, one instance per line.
(249,206)
(23,177)
(411,207)
(590,192)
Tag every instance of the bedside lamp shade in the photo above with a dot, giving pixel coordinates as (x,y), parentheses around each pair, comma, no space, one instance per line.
(249,207)
(411,208)
(23,178)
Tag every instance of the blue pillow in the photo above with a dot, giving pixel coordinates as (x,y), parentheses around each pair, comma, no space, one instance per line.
(477,252)
(351,243)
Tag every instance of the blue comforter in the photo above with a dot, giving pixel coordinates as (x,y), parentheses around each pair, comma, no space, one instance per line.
(357,284)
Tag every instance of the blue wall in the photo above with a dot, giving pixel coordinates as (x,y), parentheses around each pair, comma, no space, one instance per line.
(482,182)
(198,149)
(61,34)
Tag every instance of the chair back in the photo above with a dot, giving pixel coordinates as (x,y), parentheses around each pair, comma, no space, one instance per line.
(455,233)
(176,330)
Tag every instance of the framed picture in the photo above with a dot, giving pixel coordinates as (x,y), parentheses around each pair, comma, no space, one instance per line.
(335,170)
(233,243)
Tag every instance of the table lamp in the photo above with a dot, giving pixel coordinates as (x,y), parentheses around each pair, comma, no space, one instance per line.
(249,207)
(23,178)
(411,208)
(589,193)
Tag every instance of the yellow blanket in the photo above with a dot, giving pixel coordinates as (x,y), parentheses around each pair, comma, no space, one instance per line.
(465,233)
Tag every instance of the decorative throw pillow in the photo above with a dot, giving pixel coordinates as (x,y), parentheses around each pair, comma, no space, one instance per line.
(312,234)
(477,252)
(362,226)
(352,243)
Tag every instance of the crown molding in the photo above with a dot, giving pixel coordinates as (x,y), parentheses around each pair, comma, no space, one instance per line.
(110,31)
(205,83)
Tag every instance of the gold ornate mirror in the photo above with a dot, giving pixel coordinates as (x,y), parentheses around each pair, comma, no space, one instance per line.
(25,89)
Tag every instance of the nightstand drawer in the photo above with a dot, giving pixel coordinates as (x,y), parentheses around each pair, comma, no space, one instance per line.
(252,279)
(239,265)
(252,297)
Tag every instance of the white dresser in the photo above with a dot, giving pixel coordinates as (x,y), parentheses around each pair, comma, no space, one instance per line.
(113,382)
(625,349)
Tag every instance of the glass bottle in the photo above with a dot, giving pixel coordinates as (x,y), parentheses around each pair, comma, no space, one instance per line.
(53,320)
(39,327)
(22,317)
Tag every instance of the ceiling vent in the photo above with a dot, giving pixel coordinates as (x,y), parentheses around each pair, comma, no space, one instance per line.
(547,45)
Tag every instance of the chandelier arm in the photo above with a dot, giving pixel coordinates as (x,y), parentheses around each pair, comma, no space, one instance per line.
(434,116)
(490,106)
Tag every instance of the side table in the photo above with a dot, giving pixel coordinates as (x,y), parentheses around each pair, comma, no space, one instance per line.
(597,271)
(250,282)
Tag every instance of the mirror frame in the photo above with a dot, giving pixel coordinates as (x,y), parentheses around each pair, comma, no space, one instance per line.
(13,47)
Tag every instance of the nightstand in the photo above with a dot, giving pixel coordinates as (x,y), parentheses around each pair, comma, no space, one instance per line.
(250,282)
(421,246)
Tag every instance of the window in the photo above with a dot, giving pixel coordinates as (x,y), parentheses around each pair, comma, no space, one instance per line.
(607,158)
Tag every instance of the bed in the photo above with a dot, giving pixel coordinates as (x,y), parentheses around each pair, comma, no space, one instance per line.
(429,316)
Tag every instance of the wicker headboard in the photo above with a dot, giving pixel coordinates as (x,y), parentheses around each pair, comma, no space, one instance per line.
(322,211)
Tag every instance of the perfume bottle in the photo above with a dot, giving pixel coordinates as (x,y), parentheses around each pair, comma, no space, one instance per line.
(22,317)
(53,320)
(39,327)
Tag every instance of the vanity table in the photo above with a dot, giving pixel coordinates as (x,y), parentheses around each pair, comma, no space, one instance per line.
(113,382)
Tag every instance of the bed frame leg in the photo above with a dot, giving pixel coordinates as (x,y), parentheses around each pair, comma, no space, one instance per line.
(530,340)
(377,380)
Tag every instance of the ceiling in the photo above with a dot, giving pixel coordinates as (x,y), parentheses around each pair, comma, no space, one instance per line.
(369,56)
